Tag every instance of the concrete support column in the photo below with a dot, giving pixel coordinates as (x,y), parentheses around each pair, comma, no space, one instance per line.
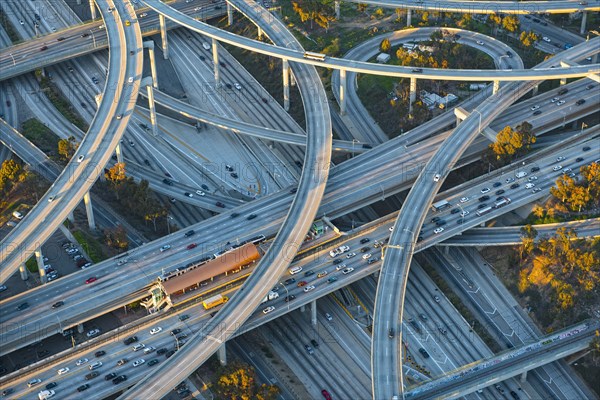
(40,262)
(229,14)
(71,217)
(23,271)
(523,376)
(222,354)
(302,308)
(313,313)
(286,84)
(260,33)
(215,51)
(583,23)
(150,46)
(337,9)
(152,109)
(408,17)
(412,95)
(80,328)
(343,91)
(535,90)
(563,81)
(93,9)
(595,59)
(119,153)
(496,87)
(163,36)
(87,200)
(447,250)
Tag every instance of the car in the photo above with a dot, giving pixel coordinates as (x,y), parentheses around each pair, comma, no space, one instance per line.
(514,395)
(479,42)
(84,35)
(152,362)
(436,298)
(142,15)
(455,211)
(156,330)
(537,112)
(269,309)
(365,240)
(536,107)
(366,256)
(482,205)
(91,280)
(464,199)
(322,274)
(557,168)
(309,273)
(337,261)
(560,103)
(83,387)
(340,267)
(497,184)
(169,353)
(149,349)
(63,371)
(532,178)
(509,180)
(435,219)
(100,353)
(80,158)
(464,213)
(219,204)
(188,194)
(314,343)
(309,288)
(438,230)
(81,361)
(529,185)
(251,216)
(302,283)
(585,148)
(509,54)
(579,159)
(130,340)
(122,361)
(138,362)
(58,304)
(183,317)
(424,352)
(546,39)
(51,385)
(200,193)
(175,331)
(332,279)
(328,317)
(372,260)
(346,271)
(309,349)
(289,298)
(441,222)
(91,375)
(436,177)
(514,185)
(138,346)
(580,102)
(110,376)
(127,22)
(499,192)
(535,169)
(536,189)
(93,332)
(237,86)
(326,394)
(165,247)
(417,70)
(119,116)
(350,255)
(589,87)
(442,330)
(484,198)
(289,281)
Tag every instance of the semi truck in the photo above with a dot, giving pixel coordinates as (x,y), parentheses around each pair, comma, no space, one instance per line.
(214,301)
(440,205)
(45,394)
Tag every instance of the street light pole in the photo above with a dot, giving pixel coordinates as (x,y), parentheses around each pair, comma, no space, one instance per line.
(287,294)
(13,58)
(93,37)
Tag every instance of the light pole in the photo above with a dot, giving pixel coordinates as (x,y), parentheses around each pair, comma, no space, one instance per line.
(354,141)
(13,58)
(287,294)
(93,37)
(169,224)
(176,342)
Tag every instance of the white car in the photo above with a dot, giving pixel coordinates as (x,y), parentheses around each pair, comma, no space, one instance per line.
(438,230)
(557,168)
(546,39)
(485,190)
(165,247)
(535,108)
(51,199)
(93,332)
(529,185)
(555,99)
(81,361)
(268,309)
(347,270)
(366,256)
(63,371)
(479,42)
(80,158)
(391,229)
(308,288)
(122,262)
(340,266)
(156,330)
(21,22)
(560,103)
(237,86)
(344,248)
(464,213)
(328,317)
(149,349)
(436,177)
(559,159)
(142,15)
(200,193)
(350,255)
(532,178)
(464,199)
(138,346)
(138,362)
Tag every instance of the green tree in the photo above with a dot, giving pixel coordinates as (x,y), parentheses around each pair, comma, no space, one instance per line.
(385,45)
(67,147)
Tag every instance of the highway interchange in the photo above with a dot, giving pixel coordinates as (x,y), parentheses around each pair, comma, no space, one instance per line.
(320,183)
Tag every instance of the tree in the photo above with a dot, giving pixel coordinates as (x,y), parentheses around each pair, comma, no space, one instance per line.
(528,39)
(116,176)
(316,11)
(511,23)
(385,45)
(510,143)
(361,7)
(67,147)
(116,238)
(238,381)
(399,13)
(494,20)
(10,173)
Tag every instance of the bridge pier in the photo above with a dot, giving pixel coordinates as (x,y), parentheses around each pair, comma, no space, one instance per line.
(40,262)
(302,308)
(523,377)
(150,46)
(215,51)
(313,312)
(496,87)
(412,95)
(583,23)
(163,36)
(286,84)
(151,107)
(336,5)
(342,91)
(93,9)
(408,17)
(87,200)
(23,271)
(229,14)
(222,354)
(260,33)
(563,81)
(535,90)
(119,153)
(80,328)
(71,217)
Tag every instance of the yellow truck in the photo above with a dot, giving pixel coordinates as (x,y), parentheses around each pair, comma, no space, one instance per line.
(214,301)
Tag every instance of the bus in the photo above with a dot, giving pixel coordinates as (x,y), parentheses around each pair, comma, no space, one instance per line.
(214,301)
(483,211)
(314,56)
(440,205)
(502,202)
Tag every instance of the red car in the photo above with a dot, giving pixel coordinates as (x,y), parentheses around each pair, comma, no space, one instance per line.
(302,283)
(326,394)
(92,279)
(191,246)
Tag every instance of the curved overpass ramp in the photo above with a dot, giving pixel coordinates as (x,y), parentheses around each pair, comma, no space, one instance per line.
(101,139)
(385,354)
(285,245)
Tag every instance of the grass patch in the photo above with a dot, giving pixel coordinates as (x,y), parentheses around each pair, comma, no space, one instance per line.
(40,135)
(62,104)
(32,265)
(90,245)
(459,305)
